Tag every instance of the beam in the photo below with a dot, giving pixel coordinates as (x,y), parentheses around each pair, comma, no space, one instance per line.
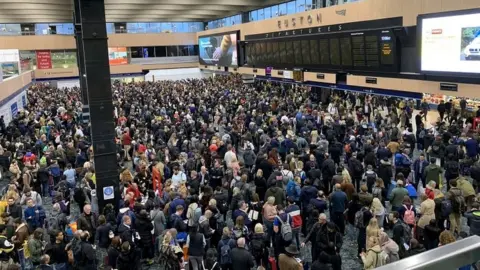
(19,12)
(257,3)
(35,6)
(175,13)
(170,7)
(140,17)
(154,20)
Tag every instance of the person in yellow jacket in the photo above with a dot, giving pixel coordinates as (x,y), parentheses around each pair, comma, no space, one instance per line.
(467,190)
(6,248)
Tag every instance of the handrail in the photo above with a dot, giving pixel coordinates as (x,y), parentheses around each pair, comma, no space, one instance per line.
(452,256)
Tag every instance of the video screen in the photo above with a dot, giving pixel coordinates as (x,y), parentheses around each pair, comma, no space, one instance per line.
(218,50)
(451,44)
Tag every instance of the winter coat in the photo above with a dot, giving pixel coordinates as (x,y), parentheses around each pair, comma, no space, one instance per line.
(276,192)
(159,221)
(144,227)
(370,260)
(466,187)
(473,221)
(427,209)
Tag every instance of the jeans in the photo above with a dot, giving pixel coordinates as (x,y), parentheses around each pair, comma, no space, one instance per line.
(455,224)
(361,240)
(269,225)
(45,189)
(296,237)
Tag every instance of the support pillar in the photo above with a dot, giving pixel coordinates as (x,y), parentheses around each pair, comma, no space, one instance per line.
(81,62)
(95,65)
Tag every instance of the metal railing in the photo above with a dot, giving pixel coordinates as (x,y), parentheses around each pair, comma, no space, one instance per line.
(449,257)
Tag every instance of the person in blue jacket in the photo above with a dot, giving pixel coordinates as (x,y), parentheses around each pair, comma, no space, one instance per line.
(34,215)
(472,147)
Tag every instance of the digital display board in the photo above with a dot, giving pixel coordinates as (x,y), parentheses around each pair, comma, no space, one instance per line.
(283,52)
(275,53)
(358,49)
(314,51)
(297,48)
(220,49)
(346,51)
(324,52)
(450,42)
(335,51)
(290,53)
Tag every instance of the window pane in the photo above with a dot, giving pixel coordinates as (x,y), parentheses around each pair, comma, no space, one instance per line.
(275,11)
(308,4)
(183,50)
(166,27)
(268,12)
(64,58)
(110,28)
(40,29)
(254,16)
(300,5)
(136,52)
(172,51)
(28,59)
(191,50)
(261,15)
(195,48)
(148,52)
(291,7)
(160,51)
(282,9)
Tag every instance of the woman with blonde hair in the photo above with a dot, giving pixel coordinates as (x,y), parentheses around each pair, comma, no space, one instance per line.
(12,192)
(378,211)
(379,191)
(269,214)
(260,184)
(171,254)
(372,229)
(427,212)
(347,186)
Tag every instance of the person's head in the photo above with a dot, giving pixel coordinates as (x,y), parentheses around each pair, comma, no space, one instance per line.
(400,176)
(179,209)
(271,200)
(363,188)
(226,231)
(280,208)
(338,187)
(125,247)
(241,242)
(259,173)
(423,197)
(127,220)
(259,228)
(320,194)
(393,216)
(116,242)
(373,223)
(30,202)
(38,233)
(45,259)
(446,237)
(11,201)
(322,219)
(432,184)
(87,209)
(59,236)
(379,183)
(422,157)
(240,222)
(433,160)
(208,214)
(475,206)
(235,191)
(383,238)
(407,201)
(399,183)
(27,191)
(85,236)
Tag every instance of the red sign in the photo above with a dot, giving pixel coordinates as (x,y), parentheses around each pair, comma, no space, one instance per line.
(44,60)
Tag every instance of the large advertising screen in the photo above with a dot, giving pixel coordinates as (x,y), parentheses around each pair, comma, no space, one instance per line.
(219,50)
(451,43)
(117,56)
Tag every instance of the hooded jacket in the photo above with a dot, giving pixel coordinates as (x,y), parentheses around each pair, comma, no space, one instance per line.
(390,247)
(276,192)
(372,257)
(473,220)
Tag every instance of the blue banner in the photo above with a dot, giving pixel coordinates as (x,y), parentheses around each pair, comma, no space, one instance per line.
(24,101)
(14,109)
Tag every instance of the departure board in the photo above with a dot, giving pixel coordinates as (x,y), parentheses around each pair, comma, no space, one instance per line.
(297,48)
(386,48)
(324,52)
(275,53)
(314,51)
(358,50)
(248,52)
(346,51)
(269,53)
(282,52)
(306,52)
(335,51)
(371,51)
(263,50)
(290,53)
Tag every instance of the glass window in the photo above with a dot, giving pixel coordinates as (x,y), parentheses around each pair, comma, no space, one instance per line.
(282,9)
(40,29)
(166,27)
(110,28)
(261,14)
(10,29)
(191,50)
(254,15)
(268,13)
(274,11)
(172,51)
(148,52)
(291,7)
(132,27)
(195,49)
(136,52)
(308,4)
(183,50)
(228,21)
(28,59)
(160,51)
(300,5)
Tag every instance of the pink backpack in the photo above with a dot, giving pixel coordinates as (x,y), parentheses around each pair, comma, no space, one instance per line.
(409,216)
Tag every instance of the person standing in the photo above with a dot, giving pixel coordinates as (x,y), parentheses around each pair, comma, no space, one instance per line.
(34,215)
(338,200)
(458,205)
(397,196)
(88,222)
(288,261)
(241,258)
(419,168)
(294,211)
(442,108)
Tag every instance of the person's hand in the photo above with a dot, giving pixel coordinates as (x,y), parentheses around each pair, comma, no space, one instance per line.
(302,245)
(362,254)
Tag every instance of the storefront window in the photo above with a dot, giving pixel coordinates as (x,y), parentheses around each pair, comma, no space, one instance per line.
(28,60)
(172,51)
(300,5)
(254,16)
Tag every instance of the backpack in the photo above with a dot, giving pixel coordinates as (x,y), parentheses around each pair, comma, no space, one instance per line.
(225,258)
(257,247)
(407,232)
(43,161)
(285,178)
(458,203)
(52,224)
(409,216)
(382,258)
(55,171)
(286,229)
(359,218)
(446,208)
(371,177)
(291,190)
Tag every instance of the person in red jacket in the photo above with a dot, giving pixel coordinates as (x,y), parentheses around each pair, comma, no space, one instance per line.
(133,188)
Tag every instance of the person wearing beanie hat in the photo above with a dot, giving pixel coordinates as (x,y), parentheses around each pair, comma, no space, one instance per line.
(397,195)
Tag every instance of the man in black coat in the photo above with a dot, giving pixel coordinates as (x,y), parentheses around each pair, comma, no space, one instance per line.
(241,258)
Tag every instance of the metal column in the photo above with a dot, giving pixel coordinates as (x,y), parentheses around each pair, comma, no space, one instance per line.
(92,26)
(81,61)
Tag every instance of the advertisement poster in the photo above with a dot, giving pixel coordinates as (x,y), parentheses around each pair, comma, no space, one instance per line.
(117,56)
(14,109)
(219,50)
(451,44)
(44,59)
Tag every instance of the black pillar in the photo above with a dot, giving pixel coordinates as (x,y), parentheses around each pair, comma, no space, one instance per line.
(81,62)
(99,92)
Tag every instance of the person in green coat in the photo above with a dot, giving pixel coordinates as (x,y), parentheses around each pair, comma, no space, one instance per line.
(35,246)
(467,190)
(433,172)
(397,195)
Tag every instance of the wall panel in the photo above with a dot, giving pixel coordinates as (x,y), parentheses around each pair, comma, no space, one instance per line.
(312,77)
(13,84)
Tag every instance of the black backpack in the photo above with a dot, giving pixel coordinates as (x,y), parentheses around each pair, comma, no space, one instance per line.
(257,247)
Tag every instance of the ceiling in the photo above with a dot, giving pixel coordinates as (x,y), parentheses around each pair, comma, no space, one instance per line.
(58,11)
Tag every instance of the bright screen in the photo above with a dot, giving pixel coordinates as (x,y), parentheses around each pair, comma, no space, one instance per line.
(117,56)
(218,50)
(451,44)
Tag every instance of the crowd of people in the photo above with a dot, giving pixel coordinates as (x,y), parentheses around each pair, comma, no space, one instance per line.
(218,174)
